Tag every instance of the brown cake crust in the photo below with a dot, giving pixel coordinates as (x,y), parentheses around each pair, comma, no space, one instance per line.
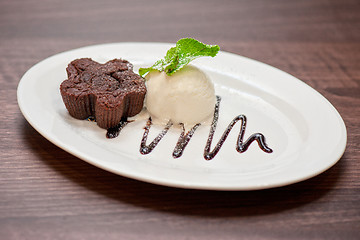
(108,92)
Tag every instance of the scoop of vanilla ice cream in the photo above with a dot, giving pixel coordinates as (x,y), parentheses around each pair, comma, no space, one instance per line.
(187,96)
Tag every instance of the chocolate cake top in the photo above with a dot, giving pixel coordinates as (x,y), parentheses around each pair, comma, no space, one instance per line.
(109,82)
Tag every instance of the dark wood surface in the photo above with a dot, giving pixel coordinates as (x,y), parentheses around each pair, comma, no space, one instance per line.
(46,193)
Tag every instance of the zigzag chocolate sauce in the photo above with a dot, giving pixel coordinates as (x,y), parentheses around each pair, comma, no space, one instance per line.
(241,145)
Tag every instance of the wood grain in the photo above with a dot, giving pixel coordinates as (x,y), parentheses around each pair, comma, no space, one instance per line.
(46,193)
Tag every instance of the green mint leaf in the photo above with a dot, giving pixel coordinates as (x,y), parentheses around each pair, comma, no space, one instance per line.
(186,50)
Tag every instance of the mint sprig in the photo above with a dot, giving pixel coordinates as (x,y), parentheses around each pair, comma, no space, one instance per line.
(186,50)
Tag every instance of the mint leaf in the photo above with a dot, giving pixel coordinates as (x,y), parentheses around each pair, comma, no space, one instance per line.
(186,50)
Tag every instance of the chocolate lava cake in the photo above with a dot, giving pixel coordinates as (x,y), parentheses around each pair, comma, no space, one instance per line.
(108,92)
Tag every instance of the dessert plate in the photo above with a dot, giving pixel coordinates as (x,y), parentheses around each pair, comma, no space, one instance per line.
(305,131)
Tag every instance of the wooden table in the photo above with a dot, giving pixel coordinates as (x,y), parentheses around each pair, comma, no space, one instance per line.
(46,193)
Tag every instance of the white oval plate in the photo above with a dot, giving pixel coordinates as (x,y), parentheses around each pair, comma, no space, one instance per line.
(306,133)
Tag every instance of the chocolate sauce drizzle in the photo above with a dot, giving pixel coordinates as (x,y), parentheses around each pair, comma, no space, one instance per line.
(241,145)
(183,140)
(115,131)
(146,149)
